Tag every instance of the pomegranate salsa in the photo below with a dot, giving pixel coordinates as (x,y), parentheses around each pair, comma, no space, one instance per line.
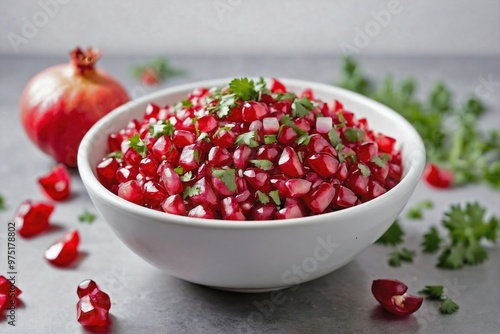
(249,151)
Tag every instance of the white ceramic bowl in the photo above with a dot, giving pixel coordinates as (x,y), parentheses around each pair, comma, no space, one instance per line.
(252,256)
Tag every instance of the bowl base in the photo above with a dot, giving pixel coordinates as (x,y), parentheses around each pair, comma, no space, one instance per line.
(250,290)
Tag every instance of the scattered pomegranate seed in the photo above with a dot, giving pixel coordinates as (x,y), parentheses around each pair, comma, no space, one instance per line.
(92,310)
(32,218)
(392,296)
(56,184)
(8,294)
(437,177)
(64,251)
(272,155)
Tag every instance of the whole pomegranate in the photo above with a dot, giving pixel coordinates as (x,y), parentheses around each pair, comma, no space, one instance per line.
(61,103)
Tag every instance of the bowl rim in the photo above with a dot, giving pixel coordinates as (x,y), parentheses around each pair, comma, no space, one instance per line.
(416,163)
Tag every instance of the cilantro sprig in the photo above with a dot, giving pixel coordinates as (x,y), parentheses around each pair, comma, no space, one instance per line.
(228,176)
(162,128)
(398,256)
(436,292)
(3,206)
(393,236)
(416,211)
(138,145)
(86,217)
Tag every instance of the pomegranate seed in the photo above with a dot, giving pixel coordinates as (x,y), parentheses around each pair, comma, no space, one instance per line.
(148,167)
(56,185)
(92,310)
(269,152)
(231,210)
(224,138)
(32,218)
(162,148)
(220,187)
(307,93)
(258,179)
(218,156)
(385,143)
(206,123)
(293,211)
(106,171)
(235,114)
(115,142)
(358,182)
(392,296)
(290,164)
(276,86)
(241,156)
(190,158)
(270,125)
(131,191)
(206,194)
(320,199)
(125,174)
(344,197)
(131,157)
(8,289)
(435,176)
(64,251)
(323,164)
(287,136)
(201,211)
(183,138)
(252,111)
(367,151)
(85,287)
(374,191)
(171,181)
(264,212)
(174,204)
(297,187)
(317,144)
(342,172)
(153,194)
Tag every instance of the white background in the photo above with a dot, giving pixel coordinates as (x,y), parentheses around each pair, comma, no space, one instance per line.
(246,27)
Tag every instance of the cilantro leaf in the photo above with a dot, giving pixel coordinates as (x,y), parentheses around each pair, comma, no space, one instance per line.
(431,241)
(87,217)
(433,291)
(415,212)
(334,137)
(115,154)
(399,256)
(263,198)
(191,191)
(228,176)
(138,145)
(364,170)
(247,138)
(179,170)
(270,139)
(275,197)
(286,120)
(243,88)
(161,128)
(301,107)
(448,306)
(393,236)
(262,164)
(187,177)
(3,206)
(303,139)
(381,160)
(354,135)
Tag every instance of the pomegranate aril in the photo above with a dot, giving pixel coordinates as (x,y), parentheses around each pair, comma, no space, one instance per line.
(125,174)
(374,191)
(106,171)
(252,111)
(392,296)
(174,204)
(276,86)
(235,114)
(241,156)
(344,197)
(218,156)
(297,187)
(224,138)
(433,175)
(162,148)
(358,182)
(290,164)
(64,251)
(6,287)
(183,138)
(148,167)
(264,212)
(293,211)
(342,172)
(316,144)
(201,211)
(243,196)
(385,143)
(258,179)
(85,287)
(205,194)
(171,181)
(319,199)
(131,191)
(190,158)
(56,185)
(307,93)
(206,123)
(366,151)
(287,136)
(153,194)
(323,164)
(115,142)
(89,314)
(131,157)
(395,172)
(231,210)
(32,218)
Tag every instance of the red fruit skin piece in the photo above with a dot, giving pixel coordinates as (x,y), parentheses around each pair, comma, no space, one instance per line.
(64,251)
(32,218)
(438,177)
(392,296)
(56,184)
